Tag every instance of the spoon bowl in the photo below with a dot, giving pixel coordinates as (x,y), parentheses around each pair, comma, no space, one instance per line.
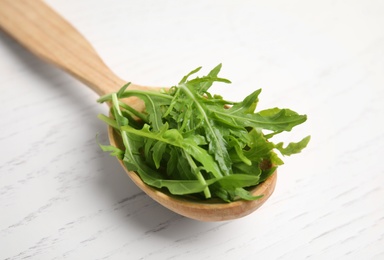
(208,210)
(46,34)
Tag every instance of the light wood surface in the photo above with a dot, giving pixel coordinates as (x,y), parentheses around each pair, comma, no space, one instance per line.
(46,34)
(63,198)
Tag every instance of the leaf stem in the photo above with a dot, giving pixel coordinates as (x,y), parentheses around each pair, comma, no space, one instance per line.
(136,113)
(115,103)
(199,176)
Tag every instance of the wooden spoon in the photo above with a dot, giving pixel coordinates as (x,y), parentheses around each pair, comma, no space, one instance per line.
(46,34)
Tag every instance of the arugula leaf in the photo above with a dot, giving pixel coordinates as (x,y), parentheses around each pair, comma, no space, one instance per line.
(272,119)
(217,143)
(174,138)
(293,148)
(192,143)
(203,88)
(247,106)
(114,151)
(230,188)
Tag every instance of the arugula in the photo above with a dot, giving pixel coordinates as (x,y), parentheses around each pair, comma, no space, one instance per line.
(190,142)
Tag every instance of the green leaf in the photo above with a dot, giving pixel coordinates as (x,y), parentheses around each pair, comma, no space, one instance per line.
(158,152)
(153,103)
(232,187)
(122,90)
(176,187)
(174,138)
(259,147)
(246,195)
(212,74)
(272,119)
(184,79)
(238,180)
(267,173)
(247,106)
(174,158)
(275,160)
(239,150)
(293,148)
(191,142)
(217,144)
(114,151)
(277,119)
(110,121)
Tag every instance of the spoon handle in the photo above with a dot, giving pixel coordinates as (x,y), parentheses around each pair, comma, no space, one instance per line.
(46,34)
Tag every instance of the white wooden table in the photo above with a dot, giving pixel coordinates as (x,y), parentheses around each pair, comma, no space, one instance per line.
(63,198)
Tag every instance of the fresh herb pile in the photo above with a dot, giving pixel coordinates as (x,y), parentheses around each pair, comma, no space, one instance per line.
(190,142)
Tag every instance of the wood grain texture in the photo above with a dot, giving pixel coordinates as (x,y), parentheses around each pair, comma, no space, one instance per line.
(62,198)
(49,36)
